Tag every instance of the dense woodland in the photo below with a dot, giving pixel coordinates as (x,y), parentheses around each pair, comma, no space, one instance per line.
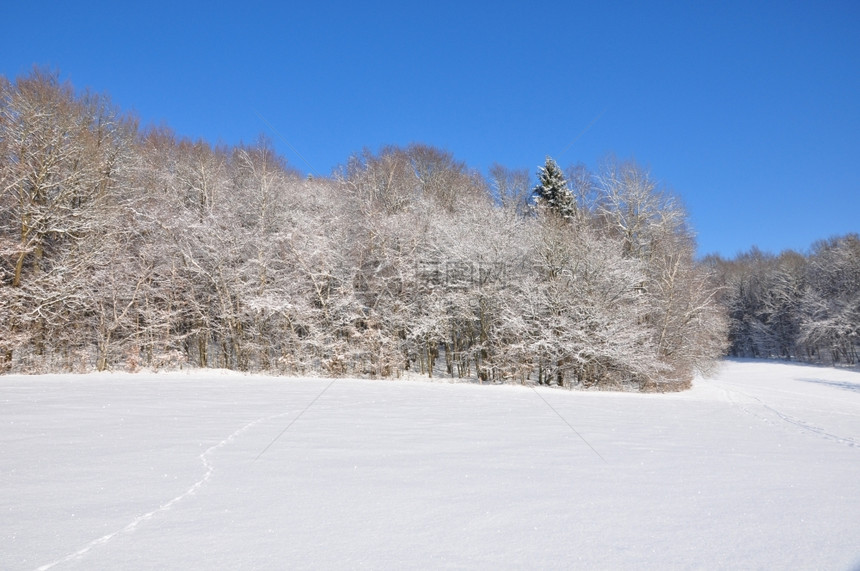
(124,247)
(804,307)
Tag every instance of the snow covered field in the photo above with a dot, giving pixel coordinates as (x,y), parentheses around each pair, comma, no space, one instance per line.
(756,468)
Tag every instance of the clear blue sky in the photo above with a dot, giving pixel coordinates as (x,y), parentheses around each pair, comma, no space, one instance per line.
(750,111)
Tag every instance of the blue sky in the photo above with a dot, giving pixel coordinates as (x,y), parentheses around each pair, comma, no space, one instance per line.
(748,111)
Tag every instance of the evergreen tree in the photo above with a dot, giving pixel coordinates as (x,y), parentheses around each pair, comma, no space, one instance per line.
(552,191)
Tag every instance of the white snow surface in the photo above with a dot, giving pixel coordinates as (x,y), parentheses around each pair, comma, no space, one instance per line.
(758,467)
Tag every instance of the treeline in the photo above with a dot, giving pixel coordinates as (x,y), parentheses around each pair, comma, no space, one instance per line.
(795,306)
(123,247)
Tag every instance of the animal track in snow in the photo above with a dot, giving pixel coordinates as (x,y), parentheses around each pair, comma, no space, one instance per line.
(818,431)
(170,503)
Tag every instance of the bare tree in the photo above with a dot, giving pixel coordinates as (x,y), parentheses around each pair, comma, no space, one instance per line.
(512,188)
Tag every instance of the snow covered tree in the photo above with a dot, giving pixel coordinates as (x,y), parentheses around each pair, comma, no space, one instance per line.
(552,191)
(61,168)
(632,205)
(122,248)
(795,306)
(511,188)
(829,316)
(651,224)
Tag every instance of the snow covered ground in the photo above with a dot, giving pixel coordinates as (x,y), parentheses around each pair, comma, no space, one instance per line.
(756,468)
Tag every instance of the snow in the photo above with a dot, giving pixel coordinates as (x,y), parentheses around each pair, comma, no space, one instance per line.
(755,468)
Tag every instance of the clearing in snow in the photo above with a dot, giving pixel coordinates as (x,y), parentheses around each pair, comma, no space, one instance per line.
(755,468)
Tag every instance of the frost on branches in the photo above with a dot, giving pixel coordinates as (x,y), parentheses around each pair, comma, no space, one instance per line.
(795,306)
(123,247)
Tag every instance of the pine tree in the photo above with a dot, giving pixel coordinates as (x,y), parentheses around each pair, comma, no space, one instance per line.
(552,191)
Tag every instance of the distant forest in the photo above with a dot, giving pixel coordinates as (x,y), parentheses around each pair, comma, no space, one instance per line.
(794,306)
(124,247)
